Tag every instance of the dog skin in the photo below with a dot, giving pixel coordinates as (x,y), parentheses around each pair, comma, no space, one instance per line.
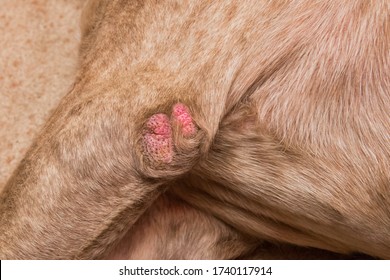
(197,129)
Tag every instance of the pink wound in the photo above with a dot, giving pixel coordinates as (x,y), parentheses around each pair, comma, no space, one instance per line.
(182,115)
(159,124)
(158,138)
(157,135)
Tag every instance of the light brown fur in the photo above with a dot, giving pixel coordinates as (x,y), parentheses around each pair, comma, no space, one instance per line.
(291,99)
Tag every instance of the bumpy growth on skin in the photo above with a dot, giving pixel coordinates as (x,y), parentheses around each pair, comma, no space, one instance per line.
(182,116)
(158,137)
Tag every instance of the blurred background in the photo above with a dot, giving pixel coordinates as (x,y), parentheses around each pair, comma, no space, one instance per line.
(38,54)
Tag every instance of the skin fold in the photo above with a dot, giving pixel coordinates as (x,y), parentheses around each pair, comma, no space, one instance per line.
(205,129)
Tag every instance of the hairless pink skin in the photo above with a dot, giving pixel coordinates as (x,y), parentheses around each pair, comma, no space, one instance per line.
(181,114)
(158,138)
(158,141)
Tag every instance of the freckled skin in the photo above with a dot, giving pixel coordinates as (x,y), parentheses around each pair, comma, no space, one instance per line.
(158,142)
(158,139)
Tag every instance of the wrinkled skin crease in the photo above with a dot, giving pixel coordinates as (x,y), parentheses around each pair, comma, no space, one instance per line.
(201,129)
